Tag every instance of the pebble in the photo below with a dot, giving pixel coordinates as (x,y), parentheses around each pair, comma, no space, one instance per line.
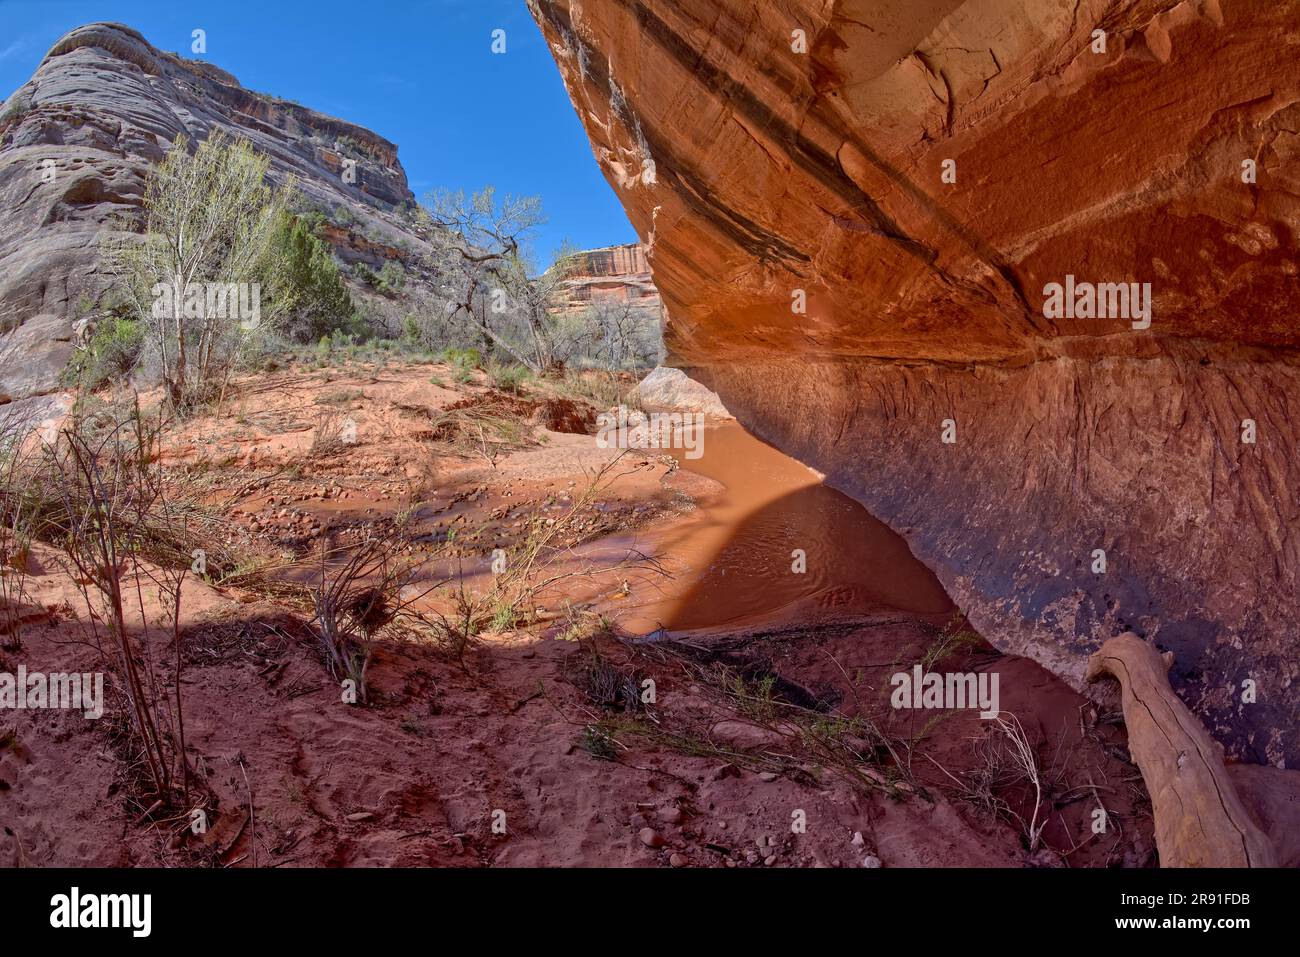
(651,838)
(767,776)
(678,860)
(671,815)
(360,816)
(871,861)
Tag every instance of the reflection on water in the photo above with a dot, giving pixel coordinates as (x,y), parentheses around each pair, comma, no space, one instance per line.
(734,559)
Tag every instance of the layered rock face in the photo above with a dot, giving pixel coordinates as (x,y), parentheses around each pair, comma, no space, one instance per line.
(855,212)
(611,274)
(76,142)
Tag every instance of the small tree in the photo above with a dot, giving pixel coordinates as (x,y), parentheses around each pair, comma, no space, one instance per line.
(210,219)
(481,240)
(307,283)
(533,297)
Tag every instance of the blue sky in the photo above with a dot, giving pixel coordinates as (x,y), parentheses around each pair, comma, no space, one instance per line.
(419,72)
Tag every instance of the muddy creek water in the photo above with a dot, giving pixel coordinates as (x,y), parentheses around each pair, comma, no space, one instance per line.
(735,558)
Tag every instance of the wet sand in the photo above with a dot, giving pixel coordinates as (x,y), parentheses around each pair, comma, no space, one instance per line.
(735,558)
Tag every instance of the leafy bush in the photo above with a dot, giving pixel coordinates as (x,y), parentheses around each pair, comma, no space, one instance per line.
(112,353)
(391,278)
(17,107)
(470,359)
(209,217)
(307,280)
(508,378)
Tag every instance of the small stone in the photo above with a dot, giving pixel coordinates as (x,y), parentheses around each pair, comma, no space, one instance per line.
(360,816)
(671,815)
(651,838)
(678,860)
(871,861)
(858,840)
(767,776)
(769,860)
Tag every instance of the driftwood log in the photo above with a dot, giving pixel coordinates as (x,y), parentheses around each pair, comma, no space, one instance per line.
(1199,819)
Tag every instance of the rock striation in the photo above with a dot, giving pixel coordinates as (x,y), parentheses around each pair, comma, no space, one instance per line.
(856,213)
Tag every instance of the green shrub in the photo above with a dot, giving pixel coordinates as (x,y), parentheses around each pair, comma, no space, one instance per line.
(18,107)
(391,278)
(508,378)
(111,354)
(306,279)
(470,359)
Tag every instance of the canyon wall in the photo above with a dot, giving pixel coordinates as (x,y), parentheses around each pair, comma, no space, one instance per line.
(619,274)
(853,210)
(76,144)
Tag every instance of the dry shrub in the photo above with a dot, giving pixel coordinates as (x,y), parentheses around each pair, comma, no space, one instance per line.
(360,590)
(112,510)
(329,436)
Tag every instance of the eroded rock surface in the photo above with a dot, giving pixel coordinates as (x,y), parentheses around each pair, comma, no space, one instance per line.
(760,172)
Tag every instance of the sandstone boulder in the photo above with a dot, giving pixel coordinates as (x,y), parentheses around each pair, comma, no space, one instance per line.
(672,390)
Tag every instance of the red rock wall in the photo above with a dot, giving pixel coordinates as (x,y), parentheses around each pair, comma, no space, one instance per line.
(613,274)
(755,172)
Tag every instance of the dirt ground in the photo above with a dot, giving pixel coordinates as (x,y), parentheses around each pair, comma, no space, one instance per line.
(573,735)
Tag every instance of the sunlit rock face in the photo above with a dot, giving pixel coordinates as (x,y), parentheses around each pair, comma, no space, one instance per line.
(76,144)
(863,217)
(614,274)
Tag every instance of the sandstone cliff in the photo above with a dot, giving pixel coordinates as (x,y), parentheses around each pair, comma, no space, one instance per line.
(612,274)
(77,140)
(772,154)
